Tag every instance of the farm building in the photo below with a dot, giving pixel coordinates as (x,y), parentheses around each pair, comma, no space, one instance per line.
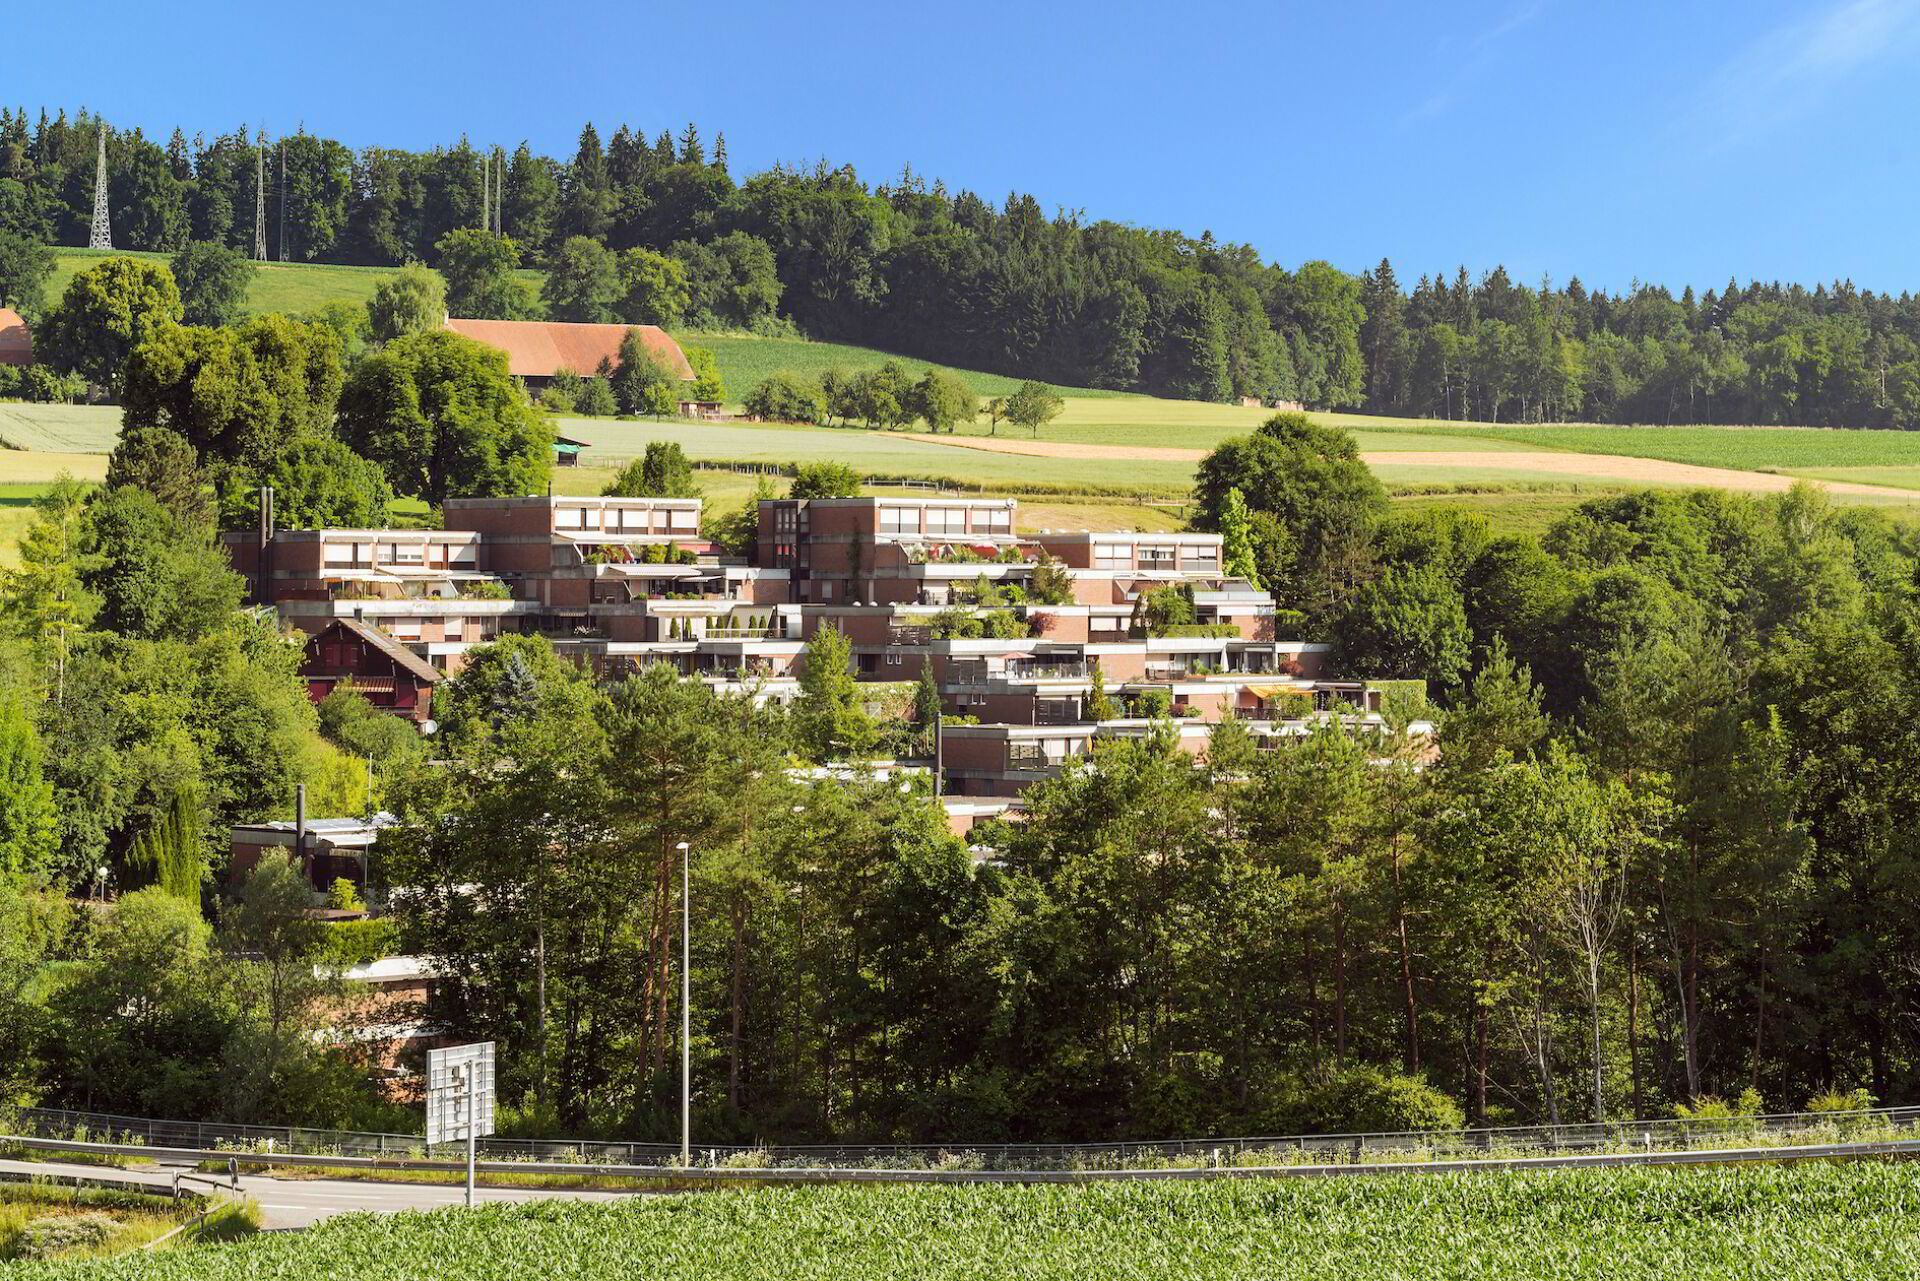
(16,340)
(537,350)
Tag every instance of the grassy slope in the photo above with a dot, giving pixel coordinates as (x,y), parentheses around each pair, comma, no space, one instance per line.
(285,287)
(1809,1222)
(1885,458)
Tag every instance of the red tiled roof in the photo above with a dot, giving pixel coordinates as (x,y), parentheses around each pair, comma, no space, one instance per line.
(16,344)
(543,348)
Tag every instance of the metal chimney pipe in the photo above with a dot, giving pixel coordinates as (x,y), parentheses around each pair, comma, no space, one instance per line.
(300,824)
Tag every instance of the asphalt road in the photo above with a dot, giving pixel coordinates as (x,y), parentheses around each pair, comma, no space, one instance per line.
(300,1203)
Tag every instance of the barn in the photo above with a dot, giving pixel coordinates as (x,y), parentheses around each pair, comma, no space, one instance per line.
(16,340)
(539,349)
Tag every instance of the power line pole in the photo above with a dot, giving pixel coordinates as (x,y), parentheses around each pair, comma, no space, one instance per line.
(283,200)
(260,197)
(101,237)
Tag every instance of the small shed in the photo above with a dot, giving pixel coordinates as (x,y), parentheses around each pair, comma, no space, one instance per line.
(566,451)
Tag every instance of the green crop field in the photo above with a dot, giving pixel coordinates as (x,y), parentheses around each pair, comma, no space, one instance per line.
(1785,449)
(1855,1222)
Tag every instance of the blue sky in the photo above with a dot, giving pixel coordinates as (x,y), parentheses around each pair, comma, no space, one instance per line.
(1683,141)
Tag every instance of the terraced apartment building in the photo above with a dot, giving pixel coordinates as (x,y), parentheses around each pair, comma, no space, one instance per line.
(1018,627)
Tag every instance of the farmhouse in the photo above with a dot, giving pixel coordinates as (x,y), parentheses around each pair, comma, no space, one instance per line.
(387,673)
(537,350)
(16,340)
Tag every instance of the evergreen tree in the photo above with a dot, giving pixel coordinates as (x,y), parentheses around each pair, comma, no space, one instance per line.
(832,724)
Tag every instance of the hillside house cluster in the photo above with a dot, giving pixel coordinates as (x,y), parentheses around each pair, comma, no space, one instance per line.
(949,583)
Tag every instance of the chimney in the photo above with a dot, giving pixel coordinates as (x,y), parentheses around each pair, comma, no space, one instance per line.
(300,825)
(263,568)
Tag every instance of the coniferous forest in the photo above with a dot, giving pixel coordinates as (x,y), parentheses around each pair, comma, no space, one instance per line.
(911,266)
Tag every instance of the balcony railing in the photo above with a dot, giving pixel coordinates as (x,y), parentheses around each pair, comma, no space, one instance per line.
(1049,671)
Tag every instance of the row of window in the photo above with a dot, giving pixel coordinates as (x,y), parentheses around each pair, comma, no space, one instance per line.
(1121,556)
(945,520)
(631,520)
(365,555)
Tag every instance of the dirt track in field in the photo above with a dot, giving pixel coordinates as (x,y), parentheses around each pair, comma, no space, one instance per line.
(1590,467)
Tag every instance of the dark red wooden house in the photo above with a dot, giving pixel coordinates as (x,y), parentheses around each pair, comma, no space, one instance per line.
(391,676)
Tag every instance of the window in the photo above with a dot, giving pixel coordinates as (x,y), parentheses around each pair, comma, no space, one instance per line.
(682,519)
(946,520)
(1112,556)
(569,518)
(1204,557)
(634,518)
(899,520)
(893,658)
(1156,558)
(826,591)
(409,554)
(997,521)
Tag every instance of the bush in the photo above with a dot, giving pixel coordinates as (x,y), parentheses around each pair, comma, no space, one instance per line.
(344,896)
(348,943)
(787,398)
(824,480)
(1840,1101)
(595,399)
(57,1233)
(1360,1100)
(485,589)
(1153,704)
(41,384)
(1711,1107)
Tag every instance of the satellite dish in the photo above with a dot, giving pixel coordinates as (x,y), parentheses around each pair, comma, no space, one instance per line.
(429,728)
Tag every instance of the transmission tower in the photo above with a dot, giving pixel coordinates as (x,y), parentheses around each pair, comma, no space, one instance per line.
(260,199)
(102,235)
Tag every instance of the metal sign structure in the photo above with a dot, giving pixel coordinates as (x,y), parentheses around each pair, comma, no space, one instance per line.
(460,1098)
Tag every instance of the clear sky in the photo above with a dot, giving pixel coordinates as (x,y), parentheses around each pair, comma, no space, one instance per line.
(1671,140)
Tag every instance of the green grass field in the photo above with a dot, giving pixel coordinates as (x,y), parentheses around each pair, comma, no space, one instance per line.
(1519,494)
(292,288)
(1857,1222)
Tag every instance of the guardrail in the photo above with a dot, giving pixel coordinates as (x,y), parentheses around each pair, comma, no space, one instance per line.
(1480,1145)
(717,1175)
(204,1203)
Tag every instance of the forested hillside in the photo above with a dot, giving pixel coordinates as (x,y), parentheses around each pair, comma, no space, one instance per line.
(661,230)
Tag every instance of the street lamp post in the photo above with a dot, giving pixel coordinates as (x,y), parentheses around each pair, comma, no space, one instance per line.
(686,1006)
